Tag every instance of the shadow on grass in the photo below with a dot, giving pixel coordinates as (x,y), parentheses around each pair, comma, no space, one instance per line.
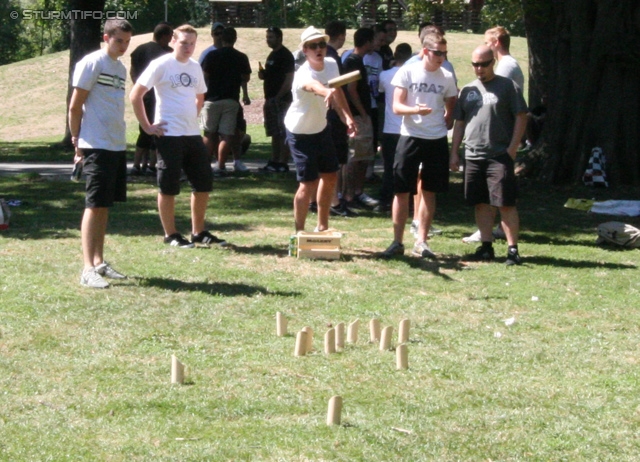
(212,288)
(444,262)
(563,263)
(278,251)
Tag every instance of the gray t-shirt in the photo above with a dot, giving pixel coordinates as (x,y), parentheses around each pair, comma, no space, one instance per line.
(103,125)
(509,67)
(489,110)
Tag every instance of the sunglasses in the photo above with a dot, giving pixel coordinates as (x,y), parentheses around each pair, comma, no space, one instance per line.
(482,64)
(316,45)
(439,53)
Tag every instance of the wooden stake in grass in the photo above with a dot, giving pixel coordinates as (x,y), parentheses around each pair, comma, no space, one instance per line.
(309,345)
(281,325)
(330,341)
(374,331)
(334,411)
(385,338)
(177,370)
(339,336)
(352,331)
(403,331)
(301,344)
(402,357)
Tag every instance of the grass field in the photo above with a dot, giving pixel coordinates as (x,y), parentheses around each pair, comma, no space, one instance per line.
(87,373)
(537,362)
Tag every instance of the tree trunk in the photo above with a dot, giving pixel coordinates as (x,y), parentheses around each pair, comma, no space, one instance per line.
(86,37)
(585,62)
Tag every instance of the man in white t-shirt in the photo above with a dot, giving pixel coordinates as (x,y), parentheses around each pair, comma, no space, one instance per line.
(425,96)
(307,132)
(180,87)
(98,133)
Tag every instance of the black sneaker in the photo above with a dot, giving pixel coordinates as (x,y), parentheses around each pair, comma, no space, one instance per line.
(345,210)
(271,167)
(151,171)
(513,258)
(136,171)
(483,254)
(205,238)
(366,201)
(282,167)
(176,240)
(335,211)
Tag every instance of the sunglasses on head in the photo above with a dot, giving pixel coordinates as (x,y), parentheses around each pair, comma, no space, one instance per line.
(438,52)
(316,45)
(482,64)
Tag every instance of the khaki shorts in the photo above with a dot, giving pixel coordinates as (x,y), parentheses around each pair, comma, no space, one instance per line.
(219,116)
(361,145)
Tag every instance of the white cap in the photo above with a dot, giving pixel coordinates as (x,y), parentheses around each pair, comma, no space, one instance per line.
(311,33)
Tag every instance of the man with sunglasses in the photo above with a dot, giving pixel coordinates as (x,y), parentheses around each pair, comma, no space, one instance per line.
(425,95)
(308,134)
(491,116)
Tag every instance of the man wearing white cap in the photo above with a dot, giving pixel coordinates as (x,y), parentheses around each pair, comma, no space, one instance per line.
(308,135)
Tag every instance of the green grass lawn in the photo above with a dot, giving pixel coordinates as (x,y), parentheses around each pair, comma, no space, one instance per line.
(86,373)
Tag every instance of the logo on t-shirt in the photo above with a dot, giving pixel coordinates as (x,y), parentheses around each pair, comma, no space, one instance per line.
(427,88)
(183,80)
(109,80)
(480,99)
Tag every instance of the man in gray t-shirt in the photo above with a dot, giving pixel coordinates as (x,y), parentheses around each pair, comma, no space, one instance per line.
(499,40)
(491,115)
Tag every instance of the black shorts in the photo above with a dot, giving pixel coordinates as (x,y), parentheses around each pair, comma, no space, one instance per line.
(106,173)
(188,153)
(313,154)
(146,141)
(434,157)
(490,181)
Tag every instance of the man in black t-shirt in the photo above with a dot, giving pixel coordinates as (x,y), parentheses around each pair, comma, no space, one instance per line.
(277,76)
(144,159)
(226,71)
(359,98)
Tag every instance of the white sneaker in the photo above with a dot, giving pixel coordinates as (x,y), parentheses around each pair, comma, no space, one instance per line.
(238,166)
(415,224)
(422,250)
(475,237)
(91,278)
(106,270)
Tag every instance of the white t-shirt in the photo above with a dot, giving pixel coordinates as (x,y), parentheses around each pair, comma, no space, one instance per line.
(392,121)
(424,87)
(176,85)
(103,125)
(509,67)
(308,113)
(373,63)
(446,64)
